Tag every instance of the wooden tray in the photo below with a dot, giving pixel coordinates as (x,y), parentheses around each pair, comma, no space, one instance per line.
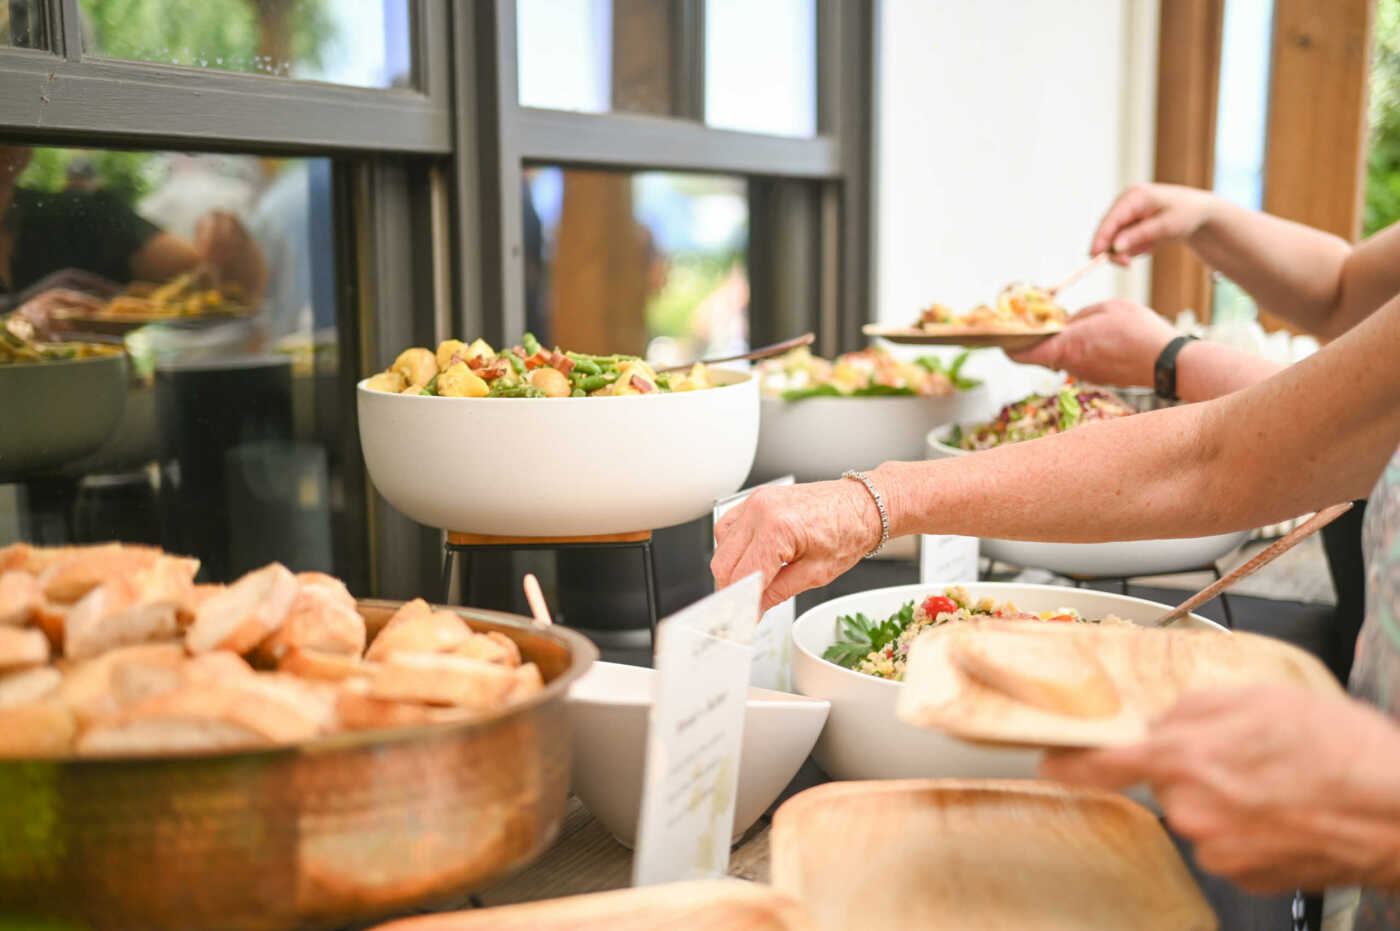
(1077,685)
(980,855)
(706,905)
(955,335)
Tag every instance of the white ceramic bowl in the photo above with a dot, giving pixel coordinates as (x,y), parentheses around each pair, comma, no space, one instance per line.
(608,711)
(864,740)
(819,438)
(560,466)
(1123,559)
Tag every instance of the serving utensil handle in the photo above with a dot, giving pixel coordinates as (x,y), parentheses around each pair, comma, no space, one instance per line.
(1078,273)
(1276,549)
(806,339)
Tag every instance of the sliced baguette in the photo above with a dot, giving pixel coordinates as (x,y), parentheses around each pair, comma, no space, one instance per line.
(319,620)
(124,611)
(29,686)
(202,716)
(244,614)
(44,728)
(87,686)
(52,619)
(359,711)
(20,598)
(441,679)
(80,569)
(323,667)
(490,647)
(188,607)
(436,632)
(22,647)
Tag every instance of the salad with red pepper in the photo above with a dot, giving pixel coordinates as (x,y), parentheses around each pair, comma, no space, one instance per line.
(1042,415)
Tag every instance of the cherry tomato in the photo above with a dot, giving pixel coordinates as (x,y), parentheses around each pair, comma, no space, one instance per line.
(935,605)
(1062,617)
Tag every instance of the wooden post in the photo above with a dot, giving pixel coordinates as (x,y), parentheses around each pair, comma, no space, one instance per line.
(1188,84)
(1315,160)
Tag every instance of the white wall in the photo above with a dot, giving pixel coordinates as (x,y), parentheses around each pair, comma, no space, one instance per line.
(1004,130)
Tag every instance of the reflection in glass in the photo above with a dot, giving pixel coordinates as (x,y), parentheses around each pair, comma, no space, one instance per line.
(363,43)
(215,274)
(649,263)
(21,24)
(597,56)
(760,66)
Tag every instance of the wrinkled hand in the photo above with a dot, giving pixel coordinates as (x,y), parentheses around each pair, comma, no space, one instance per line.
(1147,215)
(1112,343)
(799,537)
(1278,788)
(231,251)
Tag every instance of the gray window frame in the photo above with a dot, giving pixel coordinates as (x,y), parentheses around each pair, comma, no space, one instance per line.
(834,241)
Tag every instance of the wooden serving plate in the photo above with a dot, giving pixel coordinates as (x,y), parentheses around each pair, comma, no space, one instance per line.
(980,855)
(953,334)
(704,905)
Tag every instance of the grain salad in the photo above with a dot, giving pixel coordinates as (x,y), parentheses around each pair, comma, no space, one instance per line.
(881,649)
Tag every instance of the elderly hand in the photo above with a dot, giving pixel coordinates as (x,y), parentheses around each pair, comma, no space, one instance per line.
(1278,788)
(799,537)
(1147,215)
(1112,343)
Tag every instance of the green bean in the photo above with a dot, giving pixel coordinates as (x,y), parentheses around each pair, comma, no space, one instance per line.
(594,382)
(531,344)
(430,389)
(515,362)
(578,393)
(516,391)
(585,365)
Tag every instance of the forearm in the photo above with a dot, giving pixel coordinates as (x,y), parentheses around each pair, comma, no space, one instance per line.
(1206,370)
(1291,270)
(162,257)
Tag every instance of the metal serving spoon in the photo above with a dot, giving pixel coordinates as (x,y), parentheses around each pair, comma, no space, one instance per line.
(1276,549)
(763,352)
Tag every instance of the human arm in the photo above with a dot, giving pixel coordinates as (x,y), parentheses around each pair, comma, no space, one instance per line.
(220,241)
(1313,279)
(1276,787)
(1118,342)
(1316,433)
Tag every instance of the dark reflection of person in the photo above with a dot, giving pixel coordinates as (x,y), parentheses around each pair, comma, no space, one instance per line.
(64,248)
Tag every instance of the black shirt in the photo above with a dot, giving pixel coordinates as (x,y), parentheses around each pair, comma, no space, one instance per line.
(95,231)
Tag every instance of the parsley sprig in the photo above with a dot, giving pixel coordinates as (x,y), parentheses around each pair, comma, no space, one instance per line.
(858,636)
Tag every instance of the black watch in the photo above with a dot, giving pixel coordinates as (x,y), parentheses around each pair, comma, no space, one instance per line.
(1164,370)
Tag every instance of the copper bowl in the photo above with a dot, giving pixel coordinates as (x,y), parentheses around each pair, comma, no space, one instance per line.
(339,830)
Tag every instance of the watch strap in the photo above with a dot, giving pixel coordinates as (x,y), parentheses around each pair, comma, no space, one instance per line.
(1164,370)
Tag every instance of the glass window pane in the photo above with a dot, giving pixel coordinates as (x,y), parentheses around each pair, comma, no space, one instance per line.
(216,275)
(760,66)
(651,263)
(364,43)
(597,56)
(1383,157)
(21,24)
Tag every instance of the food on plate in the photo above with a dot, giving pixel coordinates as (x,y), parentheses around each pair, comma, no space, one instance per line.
(114,649)
(872,372)
(1082,685)
(881,649)
(1018,306)
(460,370)
(1043,415)
(186,295)
(19,345)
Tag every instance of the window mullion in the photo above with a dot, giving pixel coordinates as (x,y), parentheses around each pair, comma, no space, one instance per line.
(65,28)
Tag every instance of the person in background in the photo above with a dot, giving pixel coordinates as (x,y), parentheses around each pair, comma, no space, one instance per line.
(1277,788)
(76,246)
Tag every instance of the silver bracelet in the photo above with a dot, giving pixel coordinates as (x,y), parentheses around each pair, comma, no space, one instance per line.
(879,505)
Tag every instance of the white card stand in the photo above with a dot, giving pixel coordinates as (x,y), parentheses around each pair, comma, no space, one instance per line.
(772,641)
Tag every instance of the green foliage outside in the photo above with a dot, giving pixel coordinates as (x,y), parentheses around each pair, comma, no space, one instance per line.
(1383,159)
(690,278)
(222,34)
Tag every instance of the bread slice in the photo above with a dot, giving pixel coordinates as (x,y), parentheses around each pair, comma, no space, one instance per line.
(29,686)
(323,667)
(82,568)
(20,598)
(1055,673)
(244,614)
(436,632)
(52,619)
(360,711)
(491,647)
(22,647)
(123,611)
(528,681)
(44,728)
(320,620)
(87,686)
(198,717)
(188,607)
(441,679)
(312,702)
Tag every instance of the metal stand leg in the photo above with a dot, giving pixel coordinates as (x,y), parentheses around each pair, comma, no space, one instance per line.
(449,559)
(649,569)
(1123,586)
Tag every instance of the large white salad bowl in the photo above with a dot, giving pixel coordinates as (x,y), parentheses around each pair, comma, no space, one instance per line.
(555,467)
(864,740)
(1119,560)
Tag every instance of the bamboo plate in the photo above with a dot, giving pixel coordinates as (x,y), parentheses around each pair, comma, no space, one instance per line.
(703,905)
(980,856)
(954,335)
(1080,685)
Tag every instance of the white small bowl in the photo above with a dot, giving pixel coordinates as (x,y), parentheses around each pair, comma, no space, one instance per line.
(556,467)
(608,709)
(864,740)
(819,438)
(1119,560)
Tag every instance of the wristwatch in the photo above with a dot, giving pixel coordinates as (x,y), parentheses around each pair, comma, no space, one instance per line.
(1164,370)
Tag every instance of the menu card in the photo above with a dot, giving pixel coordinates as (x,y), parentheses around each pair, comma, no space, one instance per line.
(694,737)
(947,559)
(772,640)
